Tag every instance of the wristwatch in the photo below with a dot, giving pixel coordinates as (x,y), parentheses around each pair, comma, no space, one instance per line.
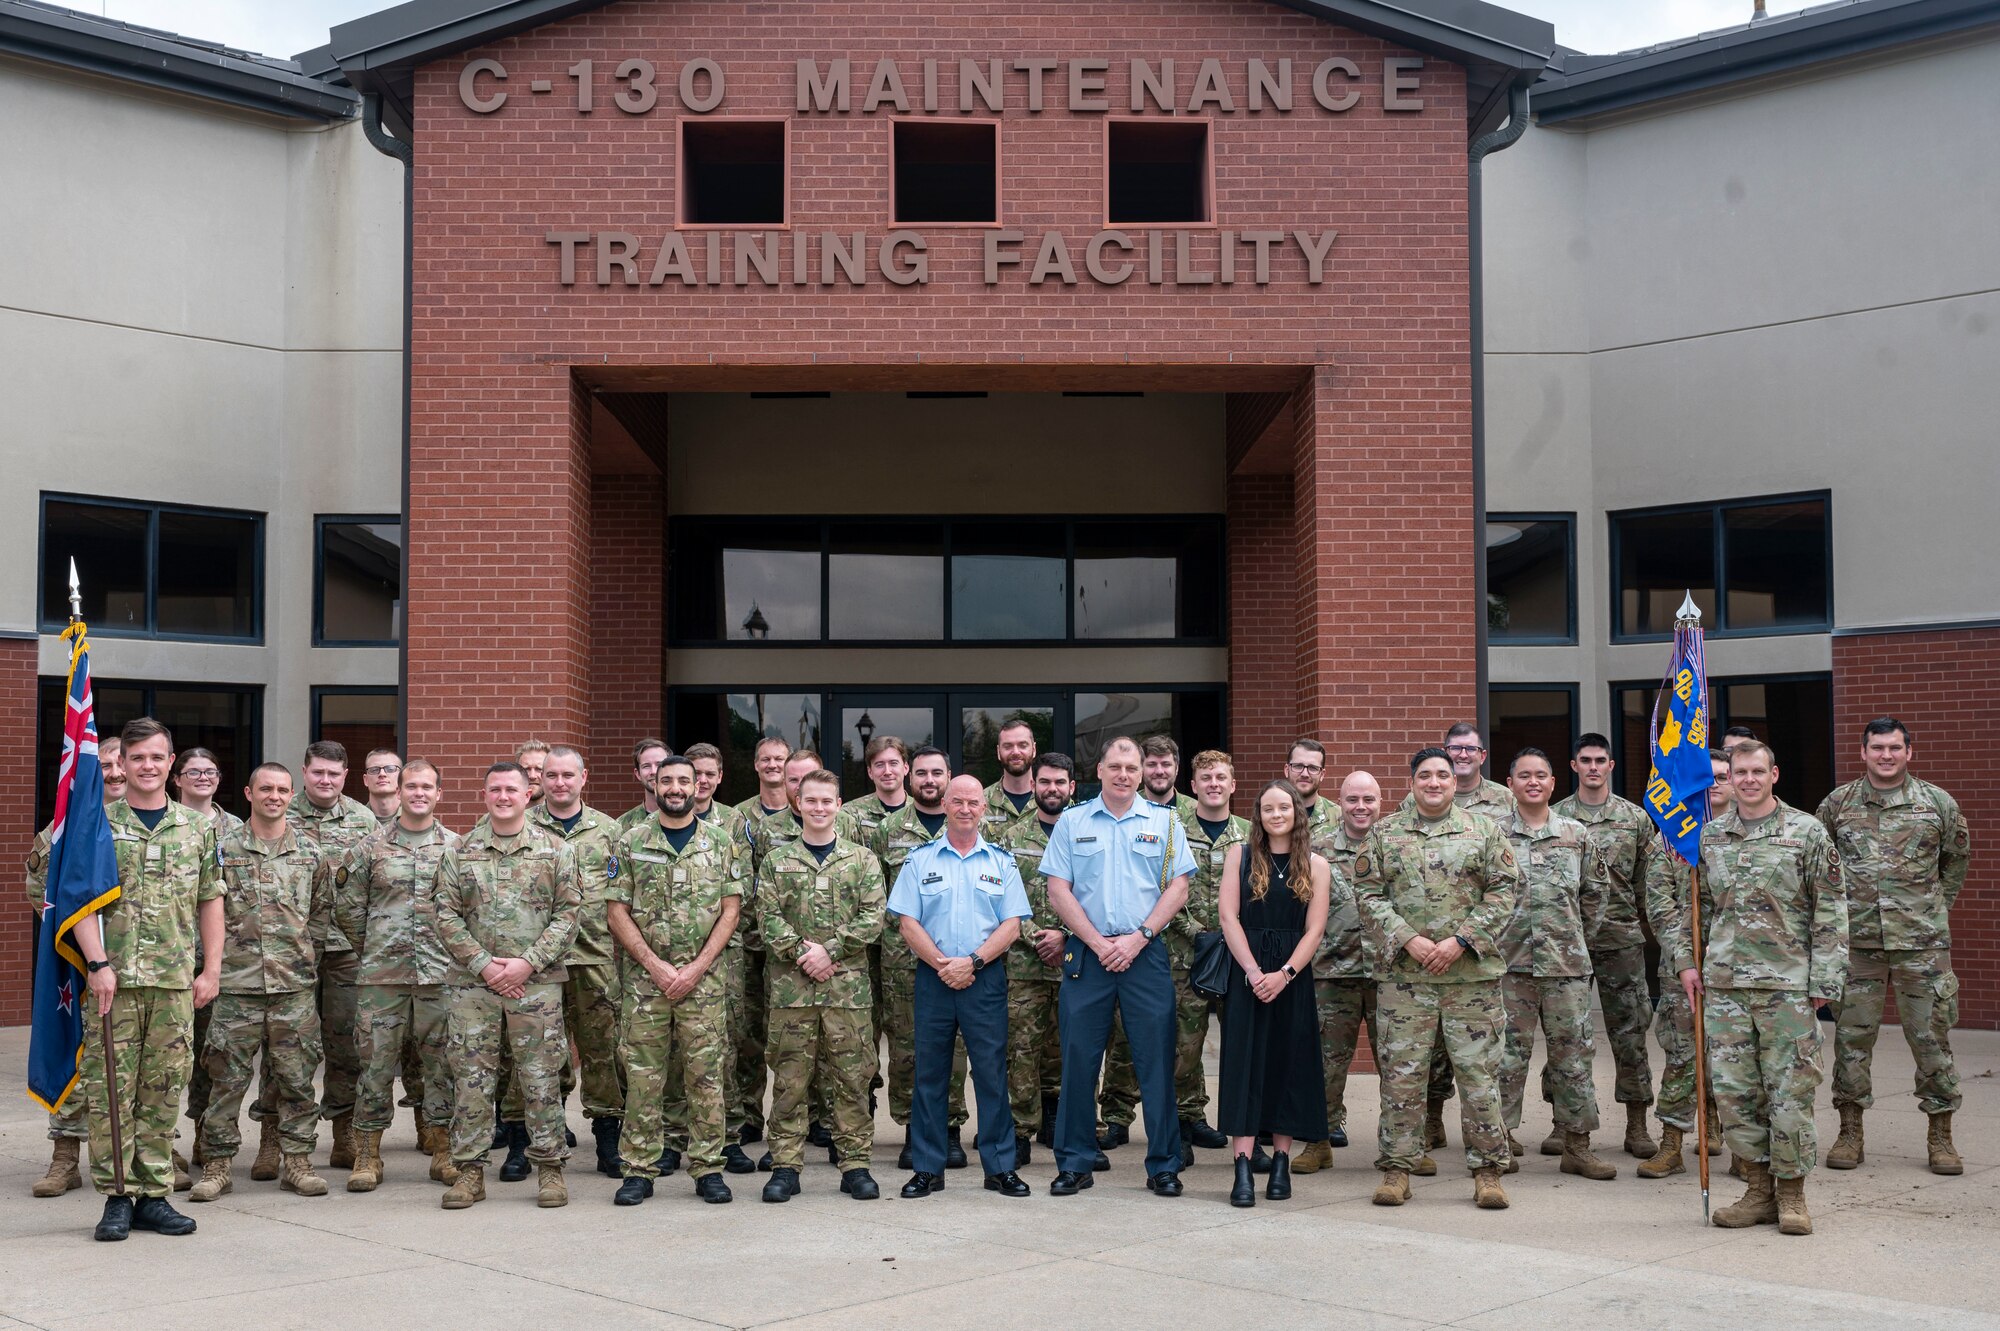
(1465,943)
(1148,934)
(1291,971)
(978,963)
(95,966)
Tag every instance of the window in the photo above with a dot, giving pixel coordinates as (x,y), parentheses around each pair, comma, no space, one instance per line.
(154,570)
(357,718)
(885,582)
(979,734)
(1755,566)
(1009,581)
(756,582)
(1532,716)
(1157,171)
(1192,718)
(1151,580)
(1531,578)
(734,722)
(358,582)
(733,172)
(224,718)
(1791,713)
(946,173)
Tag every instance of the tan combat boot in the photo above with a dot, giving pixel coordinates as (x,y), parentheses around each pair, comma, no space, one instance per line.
(431,1139)
(1316,1156)
(1433,1124)
(442,1169)
(1578,1158)
(549,1187)
(1638,1141)
(296,1175)
(1714,1132)
(470,1188)
(423,1143)
(265,1167)
(1668,1161)
(1759,1205)
(1944,1156)
(342,1154)
(1486,1190)
(214,1181)
(1425,1166)
(183,1176)
(1735,1169)
(367,1173)
(1394,1189)
(63,1173)
(1553,1143)
(1792,1217)
(1848,1148)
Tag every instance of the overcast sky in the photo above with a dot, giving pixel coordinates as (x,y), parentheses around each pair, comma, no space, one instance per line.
(286,27)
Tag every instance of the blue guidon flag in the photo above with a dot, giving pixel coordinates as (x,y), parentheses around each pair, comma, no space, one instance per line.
(1677,785)
(83,877)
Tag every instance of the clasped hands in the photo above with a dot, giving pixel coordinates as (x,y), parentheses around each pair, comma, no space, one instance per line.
(1119,953)
(1433,956)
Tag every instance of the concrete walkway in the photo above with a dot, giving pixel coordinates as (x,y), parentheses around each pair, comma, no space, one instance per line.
(1896,1246)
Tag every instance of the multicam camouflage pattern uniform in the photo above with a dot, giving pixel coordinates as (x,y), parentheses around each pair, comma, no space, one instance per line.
(1903,859)
(674,1116)
(149,938)
(69,1121)
(1667,912)
(1548,968)
(590,994)
(821,1033)
(1032,987)
(198,1086)
(1452,876)
(507,896)
(902,832)
(1775,916)
(382,903)
(335,831)
(275,917)
(1001,814)
(676,899)
(1625,841)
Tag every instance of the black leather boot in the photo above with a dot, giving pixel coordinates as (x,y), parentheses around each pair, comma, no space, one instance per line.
(1245,1191)
(516,1167)
(606,1131)
(1279,1189)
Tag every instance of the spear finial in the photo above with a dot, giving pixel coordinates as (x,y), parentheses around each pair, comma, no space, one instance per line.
(1689,615)
(75,593)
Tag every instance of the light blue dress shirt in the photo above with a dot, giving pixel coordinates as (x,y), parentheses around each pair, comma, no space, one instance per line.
(1112,864)
(960,899)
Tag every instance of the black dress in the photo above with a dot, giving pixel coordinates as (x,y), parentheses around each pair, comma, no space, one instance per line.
(1271,1071)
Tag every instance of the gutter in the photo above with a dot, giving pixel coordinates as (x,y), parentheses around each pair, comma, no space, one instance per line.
(1493,141)
(404,152)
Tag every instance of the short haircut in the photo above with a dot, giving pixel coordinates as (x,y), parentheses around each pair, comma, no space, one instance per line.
(376,753)
(1309,745)
(1015,723)
(418,765)
(507,765)
(1885,725)
(107,744)
(327,751)
(1119,742)
(568,751)
(1753,746)
(268,767)
(1208,758)
(1423,755)
(1061,762)
(1530,752)
(528,746)
(1589,739)
(1718,756)
(797,754)
(766,742)
(930,751)
(142,728)
(819,776)
(1160,746)
(1739,732)
(639,749)
(880,745)
(699,750)
(1460,730)
(672,760)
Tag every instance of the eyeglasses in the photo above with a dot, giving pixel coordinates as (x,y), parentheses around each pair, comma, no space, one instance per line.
(200,774)
(1309,769)
(1463,748)
(382,769)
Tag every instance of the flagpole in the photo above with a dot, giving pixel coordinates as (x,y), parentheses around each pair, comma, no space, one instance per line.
(1689,617)
(104,1013)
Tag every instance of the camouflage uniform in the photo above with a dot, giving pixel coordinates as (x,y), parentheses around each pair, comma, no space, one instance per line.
(635,815)
(1001,814)
(69,1121)
(901,833)
(1488,798)
(149,937)
(590,995)
(674,1112)
(1346,969)
(821,1033)
(1032,987)
(676,899)
(1775,916)
(336,830)
(1667,912)
(1625,841)
(1456,875)
(1322,817)
(198,1085)
(1548,969)
(275,914)
(507,896)
(382,904)
(1903,858)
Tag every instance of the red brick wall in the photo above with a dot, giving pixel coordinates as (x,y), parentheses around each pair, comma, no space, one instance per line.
(17,792)
(1263,617)
(1945,686)
(627,565)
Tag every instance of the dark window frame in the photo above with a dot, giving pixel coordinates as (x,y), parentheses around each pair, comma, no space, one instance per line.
(153,512)
(1214,523)
(1565,779)
(1715,510)
(1167,125)
(1719,717)
(149,689)
(321,521)
(321,692)
(1568,639)
(683,194)
(949,127)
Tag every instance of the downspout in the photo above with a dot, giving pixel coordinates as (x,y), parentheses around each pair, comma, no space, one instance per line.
(384,142)
(1493,141)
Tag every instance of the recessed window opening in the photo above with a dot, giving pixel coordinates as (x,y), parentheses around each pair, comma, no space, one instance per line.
(733,172)
(1157,171)
(947,172)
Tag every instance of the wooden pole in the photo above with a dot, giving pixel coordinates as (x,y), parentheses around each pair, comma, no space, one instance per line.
(1700,1045)
(111,1102)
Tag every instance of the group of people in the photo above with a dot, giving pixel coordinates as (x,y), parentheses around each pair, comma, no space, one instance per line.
(703,960)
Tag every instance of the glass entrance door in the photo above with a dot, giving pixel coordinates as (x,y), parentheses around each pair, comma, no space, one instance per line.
(910,717)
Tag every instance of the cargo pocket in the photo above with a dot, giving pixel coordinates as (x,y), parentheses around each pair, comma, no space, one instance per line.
(1944,1003)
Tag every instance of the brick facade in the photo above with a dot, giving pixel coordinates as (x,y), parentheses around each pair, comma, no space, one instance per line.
(17,792)
(1945,686)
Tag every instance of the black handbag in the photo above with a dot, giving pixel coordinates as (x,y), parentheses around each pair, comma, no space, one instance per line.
(1209,976)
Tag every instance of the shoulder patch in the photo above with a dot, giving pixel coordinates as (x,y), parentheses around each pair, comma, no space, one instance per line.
(340,876)
(611,866)
(1361,864)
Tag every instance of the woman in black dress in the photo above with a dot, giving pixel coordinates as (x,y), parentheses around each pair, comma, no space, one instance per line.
(1274,904)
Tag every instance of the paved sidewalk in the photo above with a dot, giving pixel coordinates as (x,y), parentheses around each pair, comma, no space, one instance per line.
(1896,1247)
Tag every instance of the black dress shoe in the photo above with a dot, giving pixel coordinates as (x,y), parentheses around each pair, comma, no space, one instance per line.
(711,1188)
(736,1162)
(1099,1162)
(158,1215)
(954,1151)
(1166,1183)
(1114,1136)
(1338,1137)
(632,1191)
(860,1185)
(1007,1185)
(1260,1163)
(782,1186)
(764,1163)
(1069,1183)
(115,1226)
(516,1167)
(1244,1191)
(1024,1150)
(1279,1189)
(923,1185)
(818,1134)
(1196,1130)
(670,1160)
(903,1157)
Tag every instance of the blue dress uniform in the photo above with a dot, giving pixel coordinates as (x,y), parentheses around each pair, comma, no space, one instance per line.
(1114,866)
(960,899)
